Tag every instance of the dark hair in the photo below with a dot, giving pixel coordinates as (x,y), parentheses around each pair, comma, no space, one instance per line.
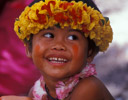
(91,43)
(92,47)
(29,42)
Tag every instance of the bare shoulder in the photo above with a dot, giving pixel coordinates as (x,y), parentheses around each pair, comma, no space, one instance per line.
(91,88)
(30,94)
(15,98)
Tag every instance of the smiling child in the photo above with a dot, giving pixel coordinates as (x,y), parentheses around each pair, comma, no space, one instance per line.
(62,38)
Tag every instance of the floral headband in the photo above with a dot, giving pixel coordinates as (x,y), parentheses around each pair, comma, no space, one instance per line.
(77,15)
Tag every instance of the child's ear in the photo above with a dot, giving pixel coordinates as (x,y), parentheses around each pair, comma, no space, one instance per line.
(91,55)
(28,52)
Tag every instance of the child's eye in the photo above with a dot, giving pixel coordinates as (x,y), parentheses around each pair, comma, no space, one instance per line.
(48,35)
(72,37)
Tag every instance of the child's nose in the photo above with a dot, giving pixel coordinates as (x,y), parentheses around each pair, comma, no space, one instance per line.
(59,47)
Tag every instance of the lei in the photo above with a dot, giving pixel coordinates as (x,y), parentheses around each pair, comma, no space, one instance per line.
(76,15)
(62,90)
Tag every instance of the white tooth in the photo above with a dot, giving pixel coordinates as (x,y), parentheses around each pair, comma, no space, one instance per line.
(59,62)
(59,59)
(65,59)
(54,58)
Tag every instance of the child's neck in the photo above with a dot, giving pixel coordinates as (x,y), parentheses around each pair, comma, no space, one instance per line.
(51,85)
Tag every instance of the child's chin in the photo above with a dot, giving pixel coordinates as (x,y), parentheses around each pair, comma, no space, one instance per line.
(59,76)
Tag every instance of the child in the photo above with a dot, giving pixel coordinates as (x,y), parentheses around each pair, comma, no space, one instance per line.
(62,38)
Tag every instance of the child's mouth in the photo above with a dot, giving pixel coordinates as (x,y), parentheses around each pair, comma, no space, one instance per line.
(57,60)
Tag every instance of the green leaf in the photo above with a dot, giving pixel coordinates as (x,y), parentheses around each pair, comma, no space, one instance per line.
(17,19)
(102,21)
(107,19)
(19,30)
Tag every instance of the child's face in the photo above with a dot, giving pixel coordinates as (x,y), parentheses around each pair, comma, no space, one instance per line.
(59,53)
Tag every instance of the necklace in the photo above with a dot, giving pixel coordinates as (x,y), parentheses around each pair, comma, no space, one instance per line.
(47,91)
(41,92)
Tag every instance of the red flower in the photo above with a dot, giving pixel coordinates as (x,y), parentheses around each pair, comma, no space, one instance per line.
(84,29)
(80,15)
(47,7)
(74,15)
(61,18)
(41,18)
(85,8)
(65,5)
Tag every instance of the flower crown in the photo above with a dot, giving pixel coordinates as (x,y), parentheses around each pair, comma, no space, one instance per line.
(77,15)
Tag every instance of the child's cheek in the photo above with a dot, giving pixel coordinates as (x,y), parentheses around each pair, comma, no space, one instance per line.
(37,48)
(75,50)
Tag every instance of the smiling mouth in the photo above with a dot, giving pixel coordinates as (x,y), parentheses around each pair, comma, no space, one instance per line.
(57,60)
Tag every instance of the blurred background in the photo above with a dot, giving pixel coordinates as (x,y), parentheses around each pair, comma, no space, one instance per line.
(112,65)
(17,72)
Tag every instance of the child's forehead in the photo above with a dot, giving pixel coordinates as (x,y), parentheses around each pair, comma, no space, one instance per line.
(69,29)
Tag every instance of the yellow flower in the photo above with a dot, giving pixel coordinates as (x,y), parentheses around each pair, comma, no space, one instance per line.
(32,15)
(90,27)
(92,35)
(76,15)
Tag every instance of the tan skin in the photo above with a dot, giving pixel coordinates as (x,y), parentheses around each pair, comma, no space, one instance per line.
(15,98)
(70,45)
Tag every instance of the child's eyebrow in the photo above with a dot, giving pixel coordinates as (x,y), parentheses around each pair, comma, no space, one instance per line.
(49,28)
(71,30)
